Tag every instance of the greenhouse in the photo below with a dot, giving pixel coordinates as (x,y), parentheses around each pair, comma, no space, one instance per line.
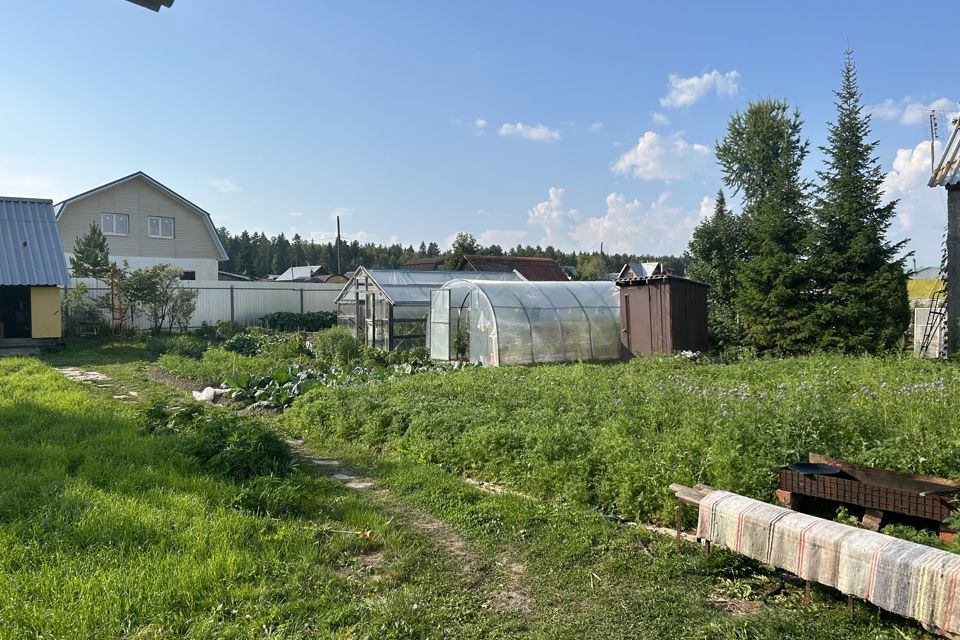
(392,306)
(499,323)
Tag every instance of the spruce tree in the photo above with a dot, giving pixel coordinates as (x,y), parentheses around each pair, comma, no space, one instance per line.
(715,254)
(91,254)
(860,283)
(761,156)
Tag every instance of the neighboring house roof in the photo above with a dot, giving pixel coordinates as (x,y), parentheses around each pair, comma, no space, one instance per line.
(207,220)
(306,271)
(425,264)
(532,269)
(926,273)
(30,250)
(227,276)
(640,270)
(947,173)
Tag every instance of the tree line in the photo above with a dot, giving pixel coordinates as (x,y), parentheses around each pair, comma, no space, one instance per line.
(805,265)
(259,255)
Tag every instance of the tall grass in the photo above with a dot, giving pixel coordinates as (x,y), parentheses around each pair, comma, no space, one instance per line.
(109,532)
(618,435)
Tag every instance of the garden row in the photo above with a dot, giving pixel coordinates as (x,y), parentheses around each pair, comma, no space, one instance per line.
(615,436)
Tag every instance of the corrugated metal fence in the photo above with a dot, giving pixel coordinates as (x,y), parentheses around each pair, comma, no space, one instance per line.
(243,302)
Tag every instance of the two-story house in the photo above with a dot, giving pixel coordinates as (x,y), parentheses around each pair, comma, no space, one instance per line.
(146,224)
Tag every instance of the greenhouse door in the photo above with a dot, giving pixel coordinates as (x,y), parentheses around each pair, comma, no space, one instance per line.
(440,324)
(371,319)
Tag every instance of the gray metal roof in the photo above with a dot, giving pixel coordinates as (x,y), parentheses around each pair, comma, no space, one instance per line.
(947,172)
(30,251)
(926,273)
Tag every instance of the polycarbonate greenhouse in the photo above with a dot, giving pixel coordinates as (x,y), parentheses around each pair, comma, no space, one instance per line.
(388,309)
(499,323)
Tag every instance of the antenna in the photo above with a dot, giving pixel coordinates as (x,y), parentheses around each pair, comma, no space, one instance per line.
(933,139)
(338,245)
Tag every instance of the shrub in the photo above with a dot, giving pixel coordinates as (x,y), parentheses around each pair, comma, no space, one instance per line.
(288,321)
(336,347)
(242,343)
(237,447)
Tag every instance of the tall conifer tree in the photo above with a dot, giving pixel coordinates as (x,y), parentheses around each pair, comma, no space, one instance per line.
(761,156)
(715,254)
(860,283)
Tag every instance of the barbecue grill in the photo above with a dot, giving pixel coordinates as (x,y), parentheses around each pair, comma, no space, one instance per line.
(881,496)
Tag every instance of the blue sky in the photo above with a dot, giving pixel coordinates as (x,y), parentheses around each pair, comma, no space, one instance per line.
(531,122)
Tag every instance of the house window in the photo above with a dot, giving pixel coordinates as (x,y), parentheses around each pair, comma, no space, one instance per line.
(189,275)
(115,224)
(158,227)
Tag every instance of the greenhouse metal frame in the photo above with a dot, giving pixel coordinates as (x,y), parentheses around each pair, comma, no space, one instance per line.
(393,305)
(498,323)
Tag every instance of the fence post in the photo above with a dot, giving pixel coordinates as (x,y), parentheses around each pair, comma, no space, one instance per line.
(301,300)
(232,315)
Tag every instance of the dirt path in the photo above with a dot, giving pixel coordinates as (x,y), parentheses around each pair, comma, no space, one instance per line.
(506,589)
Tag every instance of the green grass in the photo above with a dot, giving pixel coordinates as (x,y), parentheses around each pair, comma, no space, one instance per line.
(106,531)
(216,365)
(616,436)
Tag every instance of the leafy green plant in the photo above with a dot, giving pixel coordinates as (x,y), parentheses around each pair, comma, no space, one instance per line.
(336,347)
(311,321)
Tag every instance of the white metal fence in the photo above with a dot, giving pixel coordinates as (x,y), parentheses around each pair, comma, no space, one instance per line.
(242,302)
(922,317)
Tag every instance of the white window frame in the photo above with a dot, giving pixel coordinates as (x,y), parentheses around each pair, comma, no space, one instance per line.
(113,218)
(159,234)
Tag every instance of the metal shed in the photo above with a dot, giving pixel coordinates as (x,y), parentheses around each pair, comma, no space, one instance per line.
(661,313)
(32,270)
(388,309)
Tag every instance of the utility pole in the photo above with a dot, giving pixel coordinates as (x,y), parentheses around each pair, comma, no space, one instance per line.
(338,246)
(933,140)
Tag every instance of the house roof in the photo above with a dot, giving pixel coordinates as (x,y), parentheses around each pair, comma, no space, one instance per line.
(926,273)
(207,220)
(425,264)
(305,271)
(533,269)
(947,173)
(640,270)
(30,251)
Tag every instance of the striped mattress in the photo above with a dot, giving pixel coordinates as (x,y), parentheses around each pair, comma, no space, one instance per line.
(906,578)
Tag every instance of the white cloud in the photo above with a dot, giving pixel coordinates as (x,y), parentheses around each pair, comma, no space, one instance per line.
(921,210)
(504,237)
(628,226)
(686,91)
(596,126)
(911,111)
(538,132)
(224,185)
(553,218)
(480,126)
(660,119)
(295,214)
(657,157)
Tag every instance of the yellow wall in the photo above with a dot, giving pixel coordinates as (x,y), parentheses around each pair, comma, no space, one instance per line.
(923,289)
(45,312)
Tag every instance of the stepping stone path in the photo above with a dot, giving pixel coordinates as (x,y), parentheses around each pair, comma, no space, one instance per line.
(100,380)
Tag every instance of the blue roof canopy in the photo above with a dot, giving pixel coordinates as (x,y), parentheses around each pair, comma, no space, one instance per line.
(30,250)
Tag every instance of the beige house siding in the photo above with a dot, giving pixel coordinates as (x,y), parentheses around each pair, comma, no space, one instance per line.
(139,200)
